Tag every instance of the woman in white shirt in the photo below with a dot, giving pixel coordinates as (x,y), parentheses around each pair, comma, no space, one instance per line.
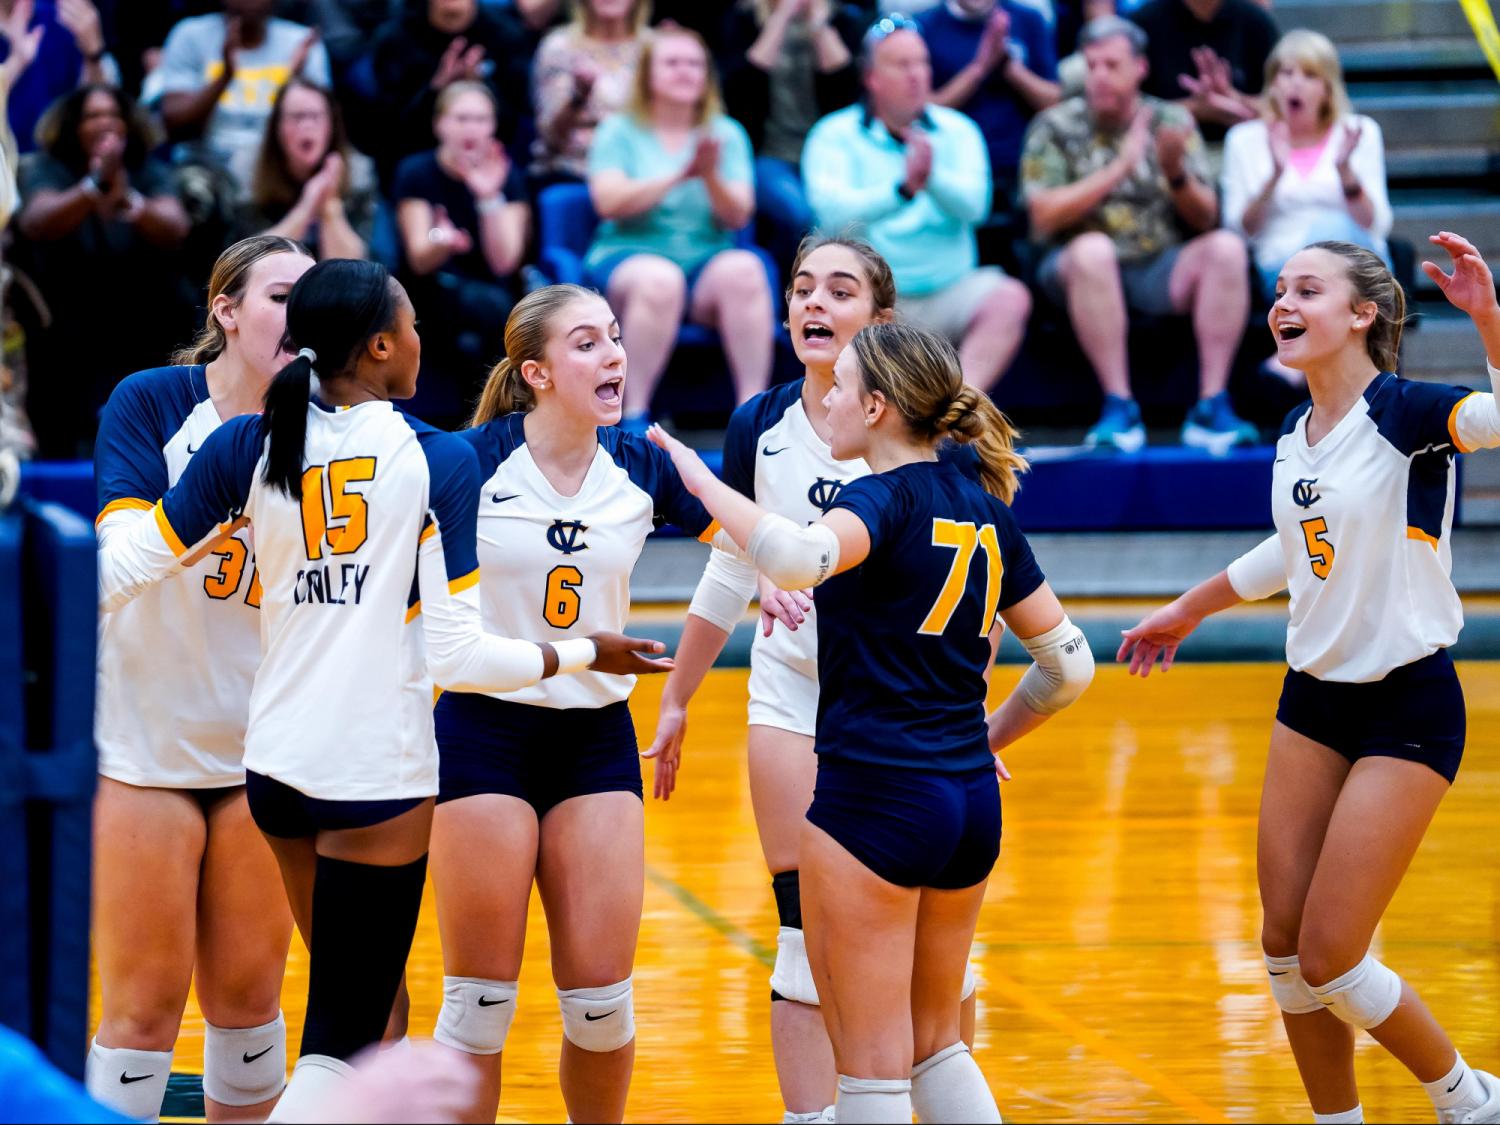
(1311,169)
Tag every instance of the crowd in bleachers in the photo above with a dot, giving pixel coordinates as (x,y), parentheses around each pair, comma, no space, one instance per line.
(1086,160)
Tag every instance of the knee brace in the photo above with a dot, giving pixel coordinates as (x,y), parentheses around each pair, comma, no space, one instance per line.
(791,977)
(1365,996)
(1288,989)
(476,1014)
(598,1019)
(316,1079)
(970,983)
(244,1065)
(130,1081)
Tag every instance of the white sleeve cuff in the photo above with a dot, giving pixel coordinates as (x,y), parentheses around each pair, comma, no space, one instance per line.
(574,655)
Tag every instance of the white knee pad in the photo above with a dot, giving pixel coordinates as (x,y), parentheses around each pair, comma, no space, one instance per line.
(476,1014)
(598,1019)
(244,1065)
(318,1081)
(970,983)
(791,977)
(1365,996)
(1288,989)
(130,1081)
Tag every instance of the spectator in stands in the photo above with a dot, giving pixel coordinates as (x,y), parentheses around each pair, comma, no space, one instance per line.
(98,213)
(996,61)
(219,74)
(800,66)
(1109,179)
(438,42)
(463,218)
(583,72)
(1211,55)
(309,184)
(59,46)
(1310,169)
(672,180)
(914,179)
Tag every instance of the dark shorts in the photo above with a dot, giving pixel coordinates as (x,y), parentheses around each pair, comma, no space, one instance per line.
(911,827)
(597,275)
(279,810)
(543,755)
(1416,713)
(1146,281)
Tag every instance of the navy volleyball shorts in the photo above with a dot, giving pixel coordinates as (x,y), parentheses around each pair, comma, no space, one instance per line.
(1415,713)
(543,755)
(912,827)
(279,810)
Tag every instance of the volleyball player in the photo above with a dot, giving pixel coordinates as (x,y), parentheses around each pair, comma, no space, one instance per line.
(904,826)
(171,823)
(1370,727)
(546,781)
(364,523)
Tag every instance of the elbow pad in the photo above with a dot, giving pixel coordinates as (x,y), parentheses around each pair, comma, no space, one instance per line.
(1063,666)
(793,557)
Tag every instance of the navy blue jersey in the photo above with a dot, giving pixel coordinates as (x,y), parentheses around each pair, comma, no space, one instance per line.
(904,641)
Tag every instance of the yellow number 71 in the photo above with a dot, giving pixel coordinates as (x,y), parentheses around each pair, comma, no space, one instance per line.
(964,538)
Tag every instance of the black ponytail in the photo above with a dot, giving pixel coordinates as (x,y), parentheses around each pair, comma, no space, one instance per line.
(332,312)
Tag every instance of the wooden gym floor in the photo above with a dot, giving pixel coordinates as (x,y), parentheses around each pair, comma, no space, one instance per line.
(1120,974)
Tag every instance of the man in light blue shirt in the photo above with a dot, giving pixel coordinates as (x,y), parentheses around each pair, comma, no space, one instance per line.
(914,179)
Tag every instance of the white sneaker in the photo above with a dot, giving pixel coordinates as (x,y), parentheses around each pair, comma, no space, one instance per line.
(1487,1112)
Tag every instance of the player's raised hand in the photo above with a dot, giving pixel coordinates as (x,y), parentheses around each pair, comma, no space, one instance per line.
(1159,634)
(666,748)
(1470,287)
(620,655)
(690,467)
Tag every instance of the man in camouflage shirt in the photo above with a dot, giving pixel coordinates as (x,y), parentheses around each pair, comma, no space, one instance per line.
(1111,181)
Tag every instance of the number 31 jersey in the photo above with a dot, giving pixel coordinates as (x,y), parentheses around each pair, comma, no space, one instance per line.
(555,566)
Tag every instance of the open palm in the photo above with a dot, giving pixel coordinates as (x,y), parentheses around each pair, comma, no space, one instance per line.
(1470,287)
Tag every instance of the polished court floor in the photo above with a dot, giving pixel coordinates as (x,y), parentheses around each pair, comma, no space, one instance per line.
(1121,979)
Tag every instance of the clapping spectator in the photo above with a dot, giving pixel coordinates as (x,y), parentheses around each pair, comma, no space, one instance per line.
(996,61)
(583,72)
(673,182)
(914,179)
(800,66)
(97,211)
(463,217)
(1211,54)
(1109,180)
(1309,170)
(219,75)
(434,44)
(309,183)
(52,48)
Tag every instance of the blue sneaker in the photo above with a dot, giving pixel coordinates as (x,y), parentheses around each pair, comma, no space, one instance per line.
(1213,426)
(636,424)
(1119,426)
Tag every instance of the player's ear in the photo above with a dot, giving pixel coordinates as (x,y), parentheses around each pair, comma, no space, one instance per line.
(875,407)
(1365,313)
(379,347)
(535,374)
(223,311)
(884,316)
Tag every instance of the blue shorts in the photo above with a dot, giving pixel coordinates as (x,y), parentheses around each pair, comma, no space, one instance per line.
(543,755)
(597,275)
(914,828)
(279,810)
(1415,713)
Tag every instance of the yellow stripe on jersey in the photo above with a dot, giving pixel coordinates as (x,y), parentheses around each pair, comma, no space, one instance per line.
(167,533)
(427,533)
(125,504)
(1453,427)
(413,611)
(708,535)
(1422,536)
(467,582)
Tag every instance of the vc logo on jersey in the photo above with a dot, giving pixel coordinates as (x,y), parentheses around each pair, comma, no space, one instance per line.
(824,492)
(1303,495)
(567,537)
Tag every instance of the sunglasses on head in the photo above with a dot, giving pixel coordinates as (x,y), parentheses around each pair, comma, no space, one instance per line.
(887,26)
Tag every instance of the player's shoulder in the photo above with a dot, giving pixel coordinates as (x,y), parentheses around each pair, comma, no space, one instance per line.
(161,393)
(1404,410)
(757,415)
(446,453)
(494,442)
(1293,416)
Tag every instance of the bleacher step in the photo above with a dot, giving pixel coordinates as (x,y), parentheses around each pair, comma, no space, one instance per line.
(1380,58)
(1358,20)
(1433,113)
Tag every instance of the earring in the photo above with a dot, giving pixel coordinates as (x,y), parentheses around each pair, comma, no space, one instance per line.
(542,385)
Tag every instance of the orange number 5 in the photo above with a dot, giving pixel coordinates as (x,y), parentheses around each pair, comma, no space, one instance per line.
(1319,550)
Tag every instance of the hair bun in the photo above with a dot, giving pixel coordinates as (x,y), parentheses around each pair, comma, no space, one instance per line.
(961,419)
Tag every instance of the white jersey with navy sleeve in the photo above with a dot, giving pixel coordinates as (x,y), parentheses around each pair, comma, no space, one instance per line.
(368,581)
(556,567)
(175,665)
(1363,524)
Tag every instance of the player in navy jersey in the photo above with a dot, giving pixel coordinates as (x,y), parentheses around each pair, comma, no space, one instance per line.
(364,525)
(904,826)
(1370,727)
(171,823)
(546,781)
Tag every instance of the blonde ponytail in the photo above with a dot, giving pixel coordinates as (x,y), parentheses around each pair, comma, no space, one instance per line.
(505,392)
(972,419)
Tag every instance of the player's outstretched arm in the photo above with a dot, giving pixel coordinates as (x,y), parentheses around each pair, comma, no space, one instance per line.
(1062,667)
(1162,632)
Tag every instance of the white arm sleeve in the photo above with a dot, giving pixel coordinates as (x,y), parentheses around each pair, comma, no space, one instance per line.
(725,590)
(1260,571)
(461,656)
(132,555)
(1063,665)
(1476,425)
(793,557)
